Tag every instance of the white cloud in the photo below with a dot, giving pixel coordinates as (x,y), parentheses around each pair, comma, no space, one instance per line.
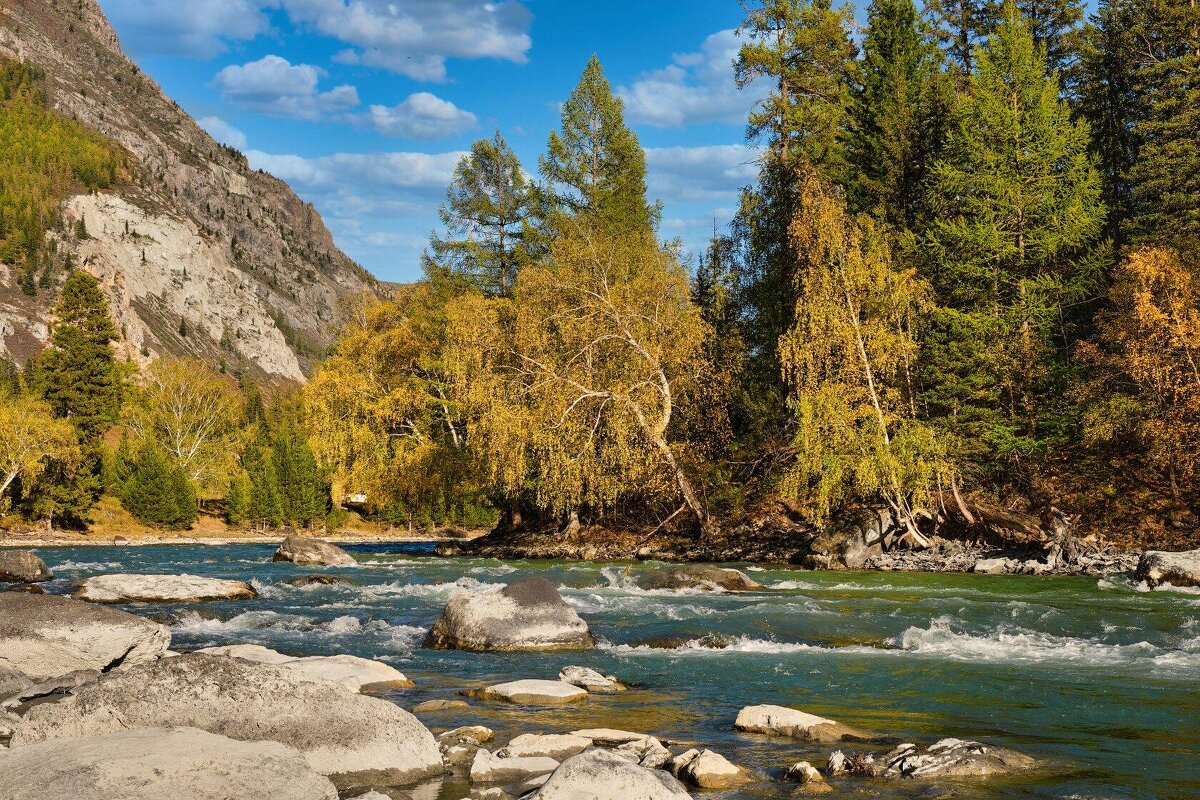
(223,132)
(419,116)
(273,85)
(193,28)
(695,87)
(699,174)
(415,38)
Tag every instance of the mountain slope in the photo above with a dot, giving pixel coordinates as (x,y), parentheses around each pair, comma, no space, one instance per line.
(199,254)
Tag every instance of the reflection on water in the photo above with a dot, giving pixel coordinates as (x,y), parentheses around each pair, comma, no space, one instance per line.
(1099,679)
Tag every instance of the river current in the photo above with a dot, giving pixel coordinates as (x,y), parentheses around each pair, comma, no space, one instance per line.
(1097,678)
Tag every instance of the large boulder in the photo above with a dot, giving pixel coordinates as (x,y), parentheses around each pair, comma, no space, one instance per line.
(707,769)
(532,693)
(854,536)
(794,724)
(1157,567)
(700,577)
(487,767)
(302,550)
(525,616)
(45,636)
(355,673)
(156,763)
(161,589)
(954,758)
(604,775)
(22,566)
(353,739)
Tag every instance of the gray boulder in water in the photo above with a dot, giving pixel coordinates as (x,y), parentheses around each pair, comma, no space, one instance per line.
(1157,567)
(302,550)
(604,775)
(353,739)
(700,577)
(954,758)
(46,636)
(154,763)
(161,589)
(22,566)
(527,616)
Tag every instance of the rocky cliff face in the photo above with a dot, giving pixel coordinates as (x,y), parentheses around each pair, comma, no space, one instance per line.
(200,255)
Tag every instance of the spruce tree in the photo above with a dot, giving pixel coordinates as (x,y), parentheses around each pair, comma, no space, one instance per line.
(1053,24)
(237,502)
(900,104)
(157,492)
(265,506)
(594,165)
(78,374)
(1014,246)
(487,215)
(302,493)
(959,26)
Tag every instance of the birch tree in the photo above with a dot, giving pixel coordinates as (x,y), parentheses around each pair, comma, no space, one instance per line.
(30,437)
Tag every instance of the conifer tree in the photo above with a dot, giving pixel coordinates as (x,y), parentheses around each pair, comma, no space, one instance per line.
(900,105)
(302,493)
(237,502)
(264,507)
(487,215)
(1053,24)
(959,26)
(594,165)
(1019,216)
(157,491)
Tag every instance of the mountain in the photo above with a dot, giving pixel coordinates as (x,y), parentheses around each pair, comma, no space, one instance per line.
(199,254)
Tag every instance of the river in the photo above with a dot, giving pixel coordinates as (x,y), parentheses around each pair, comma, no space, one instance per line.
(1098,678)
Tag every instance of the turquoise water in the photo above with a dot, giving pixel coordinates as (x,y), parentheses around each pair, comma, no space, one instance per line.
(1098,678)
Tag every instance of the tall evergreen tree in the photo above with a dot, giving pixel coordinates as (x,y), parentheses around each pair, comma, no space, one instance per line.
(594,165)
(1053,24)
(900,104)
(302,493)
(158,492)
(78,374)
(487,215)
(1019,209)
(959,26)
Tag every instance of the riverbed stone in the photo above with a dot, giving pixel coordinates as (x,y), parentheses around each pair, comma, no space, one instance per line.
(591,680)
(123,588)
(795,724)
(809,777)
(439,705)
(353,672)
(22,566)
(45,636)
(249,652)
(696,576)
(603,775)
(306,551)
(996,566)
(527,616)
(648,752)
(489,767)
(156,763)
(532,692)
(954,758)
(610,737)
(1157,567)
(550,745)
(354,739)
(707,769)
(317,580)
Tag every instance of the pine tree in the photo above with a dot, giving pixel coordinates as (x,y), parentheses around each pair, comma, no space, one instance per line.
(302,493)
(487,215)
(1015,243)
(157,492)
(1166,175)
(595,165)
(265,506)
(959,26)
(1053,24)
(78,374)
(237,503)
(901,103)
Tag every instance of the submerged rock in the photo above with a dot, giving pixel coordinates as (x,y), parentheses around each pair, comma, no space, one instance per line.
(302,550)
(156,763)
(22,566)
(954,758)
(317,580)
(603,775)
(794,724)
(525,616)
(532,692)
(353,739)
(45,636)
(439,705)
(591,680)
(1157,567)
(708,770)
(700,577)
(161,589)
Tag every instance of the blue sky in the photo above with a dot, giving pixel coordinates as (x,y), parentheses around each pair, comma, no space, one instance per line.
(364,106)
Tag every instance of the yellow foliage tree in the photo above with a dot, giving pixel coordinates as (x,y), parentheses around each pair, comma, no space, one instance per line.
(848,359)
(1146,376)
(30,436)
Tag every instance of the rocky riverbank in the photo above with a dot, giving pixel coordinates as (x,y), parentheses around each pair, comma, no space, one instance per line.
(97,706)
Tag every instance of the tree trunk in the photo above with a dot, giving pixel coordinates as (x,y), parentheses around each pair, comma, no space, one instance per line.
(572,526)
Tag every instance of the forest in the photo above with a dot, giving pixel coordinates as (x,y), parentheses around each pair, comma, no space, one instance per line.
(967,276)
